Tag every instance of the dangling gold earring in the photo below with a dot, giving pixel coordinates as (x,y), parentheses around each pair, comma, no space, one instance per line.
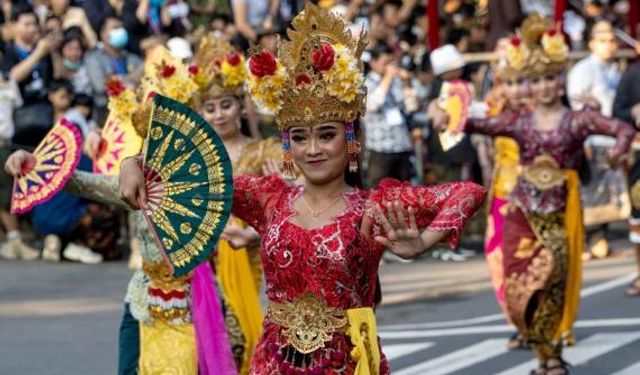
(288,170)
(353,147)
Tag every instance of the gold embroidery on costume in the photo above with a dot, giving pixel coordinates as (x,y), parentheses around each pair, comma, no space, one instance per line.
(635,195)
(234,332)
(545,274)
(544,173)
(526,248)
(168,295)
(307,322)
(520,287)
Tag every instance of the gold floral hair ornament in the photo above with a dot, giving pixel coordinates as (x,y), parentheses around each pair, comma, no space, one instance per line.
(163,75)
(318,75)
(122,100)
(218,70)
(549,51)
(539,49)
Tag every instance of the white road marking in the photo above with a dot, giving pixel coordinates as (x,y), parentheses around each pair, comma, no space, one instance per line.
(446,324)
(586,350)
(395,351)
(607,285)
(59,307)
(586,292)
(457,360)
(463,331)
(631,370)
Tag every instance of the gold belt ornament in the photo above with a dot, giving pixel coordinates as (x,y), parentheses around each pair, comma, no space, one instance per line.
(160,276)
(307,322)
(544,173)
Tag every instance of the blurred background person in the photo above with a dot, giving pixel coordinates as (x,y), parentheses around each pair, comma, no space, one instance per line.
(110,59)
(593,82)
(626,107)
(74,16)
(387,140)
(71,65)
(27,60)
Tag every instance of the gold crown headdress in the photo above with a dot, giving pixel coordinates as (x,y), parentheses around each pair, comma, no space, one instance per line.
(541,49)
(218,70)
(317,76)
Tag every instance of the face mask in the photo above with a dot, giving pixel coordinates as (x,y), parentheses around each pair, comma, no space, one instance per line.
(71,65)
(118,38)
(156,3)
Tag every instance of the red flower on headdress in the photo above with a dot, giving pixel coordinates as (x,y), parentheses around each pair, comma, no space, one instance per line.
(323,57)
(114,86)
(263,64)
(194,69)
(303,79)
(233,58)
(515,41)
(167,71)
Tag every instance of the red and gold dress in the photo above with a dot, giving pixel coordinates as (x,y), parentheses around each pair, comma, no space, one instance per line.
(330,269)
(543,233)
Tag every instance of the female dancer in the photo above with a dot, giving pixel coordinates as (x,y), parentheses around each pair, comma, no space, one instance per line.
(158,316)
(322,242)
(543,233)
(512,93)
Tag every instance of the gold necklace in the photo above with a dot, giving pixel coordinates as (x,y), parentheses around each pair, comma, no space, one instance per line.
(317,213)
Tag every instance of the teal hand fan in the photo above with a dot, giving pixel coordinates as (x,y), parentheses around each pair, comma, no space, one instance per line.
(189,184)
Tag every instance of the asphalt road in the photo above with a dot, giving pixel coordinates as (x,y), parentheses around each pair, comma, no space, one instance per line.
(438,318)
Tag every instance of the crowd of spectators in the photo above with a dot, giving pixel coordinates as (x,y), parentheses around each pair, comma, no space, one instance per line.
(57,55)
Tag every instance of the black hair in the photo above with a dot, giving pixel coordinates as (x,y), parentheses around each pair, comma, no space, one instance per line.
(111,16)
(471,69)
(380,49)
(221,16)
(72,34)
(425,64)
(83,100)
(396,3)
(60,84)
(21,9)
(456,35)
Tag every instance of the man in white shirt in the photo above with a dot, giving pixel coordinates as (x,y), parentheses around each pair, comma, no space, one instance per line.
(593,82)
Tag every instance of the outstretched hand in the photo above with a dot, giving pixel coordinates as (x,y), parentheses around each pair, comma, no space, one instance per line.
(271,167)
(92,143)
(239,237)
(19,163)
(131,187)
(400,238)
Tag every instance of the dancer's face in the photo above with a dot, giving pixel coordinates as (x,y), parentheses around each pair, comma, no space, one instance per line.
(518,91)
(547,89)
(223,114)
(320,152)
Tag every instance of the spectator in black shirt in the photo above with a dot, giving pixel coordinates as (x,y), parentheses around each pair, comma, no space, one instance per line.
(626,107)
(27,60)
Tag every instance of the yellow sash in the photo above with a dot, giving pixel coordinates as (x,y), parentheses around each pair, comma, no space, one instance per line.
(237,282)
(364,337)
(575,244)
(167,349)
